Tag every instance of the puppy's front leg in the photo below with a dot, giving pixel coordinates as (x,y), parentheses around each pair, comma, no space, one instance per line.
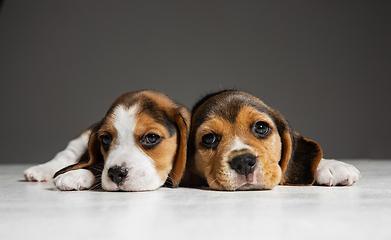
(70,155)
(331,172)
(79,179)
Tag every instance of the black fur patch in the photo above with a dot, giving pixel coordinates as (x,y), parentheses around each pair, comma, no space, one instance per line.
(147,106)
(232,100)
(151,108)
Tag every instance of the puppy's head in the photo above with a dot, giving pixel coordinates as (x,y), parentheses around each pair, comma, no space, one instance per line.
(236,142)
(140,143)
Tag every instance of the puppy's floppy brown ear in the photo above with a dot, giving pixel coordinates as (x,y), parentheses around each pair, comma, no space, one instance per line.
(300,159)
(92,159)
(299,156)
(182,121)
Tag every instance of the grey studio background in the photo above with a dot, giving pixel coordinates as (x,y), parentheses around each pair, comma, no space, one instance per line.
(324,64)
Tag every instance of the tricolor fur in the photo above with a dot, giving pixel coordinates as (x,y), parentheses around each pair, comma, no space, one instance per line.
(237,142)
(139,145)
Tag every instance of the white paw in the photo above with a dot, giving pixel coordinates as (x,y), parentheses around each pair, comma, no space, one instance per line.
(80,179)
(39,173)
(333,172)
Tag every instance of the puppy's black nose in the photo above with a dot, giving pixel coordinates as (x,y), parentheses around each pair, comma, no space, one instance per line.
(117,174)
(243,164)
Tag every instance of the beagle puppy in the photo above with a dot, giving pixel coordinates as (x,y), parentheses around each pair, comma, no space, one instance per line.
(237,142)
(139,145)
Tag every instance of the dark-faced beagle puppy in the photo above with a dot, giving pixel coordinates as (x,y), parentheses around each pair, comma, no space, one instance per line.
(137,146)
(237,142)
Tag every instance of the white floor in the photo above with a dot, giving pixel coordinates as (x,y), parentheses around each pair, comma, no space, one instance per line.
(38,211)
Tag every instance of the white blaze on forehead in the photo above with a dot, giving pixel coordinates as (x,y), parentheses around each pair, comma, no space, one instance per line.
(142,174)
(239,145)
(125,123)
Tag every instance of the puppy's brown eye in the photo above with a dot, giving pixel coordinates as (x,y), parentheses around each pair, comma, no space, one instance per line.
(106,141)
(261,129)
(150,140)
(210,140)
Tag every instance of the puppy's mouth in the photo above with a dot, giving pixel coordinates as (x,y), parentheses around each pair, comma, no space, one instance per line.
(237,183)
(249,182)
(243,172)
(230,180)
(246,170)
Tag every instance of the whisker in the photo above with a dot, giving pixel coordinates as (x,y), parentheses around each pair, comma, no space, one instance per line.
(213,181)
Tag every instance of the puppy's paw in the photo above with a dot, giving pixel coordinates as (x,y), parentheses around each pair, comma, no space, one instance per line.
(333,173)
(80,179)
(39,173)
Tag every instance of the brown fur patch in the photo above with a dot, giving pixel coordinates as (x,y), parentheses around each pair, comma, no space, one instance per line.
(169,155)
(107,129)
(283,157)
(163,154)
(214,163)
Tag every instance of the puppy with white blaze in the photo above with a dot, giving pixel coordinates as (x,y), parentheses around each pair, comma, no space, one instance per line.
(138,146)
(237,142)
